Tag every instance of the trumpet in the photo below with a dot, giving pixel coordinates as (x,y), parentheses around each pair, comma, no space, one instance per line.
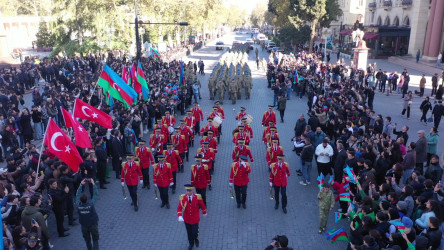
(231,192)
(271,194)
(124,193)
(155,192)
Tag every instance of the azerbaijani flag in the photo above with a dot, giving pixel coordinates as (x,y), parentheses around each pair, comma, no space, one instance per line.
(136,85)
(125,76)
(320,181)
(331,181)
(399,225)
(349,171)
(182,75)
(344,197)
(116,87)
(338,217)
(155,54)
(296,77)
(142,81)
(342,236)
(333,232)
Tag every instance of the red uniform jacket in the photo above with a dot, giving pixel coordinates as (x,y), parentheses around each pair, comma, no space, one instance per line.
(187,132)
(248,129)
(214,114)
(190,211)
(269,116)
(240,115)
(179,143)
(190,121)
(269,137)
(173,158)
(200,178)
(208,156)
(170,121)
(278,176)
(131,174)
(197,113)
(245,150)
(272,154)
(163,131)
(212,143)
(222,112)
(243,135)
(212,128)
(266,131)
(154,142)
(162,176)
(145,156)
(239,173)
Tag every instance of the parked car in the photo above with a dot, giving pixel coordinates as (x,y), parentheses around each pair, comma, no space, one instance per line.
(219,45)
(277,49)
(270,46)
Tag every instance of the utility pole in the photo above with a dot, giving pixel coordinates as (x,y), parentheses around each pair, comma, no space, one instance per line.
(136,22)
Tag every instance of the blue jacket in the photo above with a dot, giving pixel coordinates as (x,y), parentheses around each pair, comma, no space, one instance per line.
(87,212)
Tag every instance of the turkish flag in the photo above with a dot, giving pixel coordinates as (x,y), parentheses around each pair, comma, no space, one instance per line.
(85,111)
(61,146)
(82,137)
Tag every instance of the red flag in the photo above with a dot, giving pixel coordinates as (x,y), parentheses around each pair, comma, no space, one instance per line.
(61,146)
(85,111)
(136,84)
(125,75)
(81,135)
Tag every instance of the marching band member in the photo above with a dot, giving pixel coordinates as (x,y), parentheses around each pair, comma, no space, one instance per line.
(198,117)
(266,131)
(273,152)
(145,159)
(163,129)
(179,143)
(162,179)
(239,179)
(278,180)
(241,114)
(200,177)
(269,115)
(212,142)
(208,127)
(132,176)
(207,158)
(241,135)
(241,149)
(172,157)
(157,142)
(168,119)
(271,136)
(189,122)
(247,127)
(221,111)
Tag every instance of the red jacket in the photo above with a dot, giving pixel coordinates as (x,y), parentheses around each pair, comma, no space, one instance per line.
(154,141)
(210,127)
(269,138)
(244,151)
(179,143)
(244,136)
(222,112)
(278,176)
(173,158)
(163,131)
(162,176)
(272,154)
(340,187)
(208,157)
(211,143)
(269,116)
(190,121)
(145,156)
(248,129)
(131,175)
(169,121)
(190,211)
(187,132)
(240,115)
(197,113)
(200,178)
(239,174)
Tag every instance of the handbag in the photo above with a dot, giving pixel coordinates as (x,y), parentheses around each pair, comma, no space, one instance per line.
(430,119)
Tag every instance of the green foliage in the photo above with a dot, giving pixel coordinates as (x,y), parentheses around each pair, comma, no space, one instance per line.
(290,35)
(333,11)
(44,36)
(73,48)
(280,10)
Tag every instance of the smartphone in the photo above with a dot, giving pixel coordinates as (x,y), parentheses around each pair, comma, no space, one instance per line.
(34,221)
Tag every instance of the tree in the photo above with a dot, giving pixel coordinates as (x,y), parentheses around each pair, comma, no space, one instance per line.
(44,36)
(333,11)
(281,10)
(258,14)
(290,35)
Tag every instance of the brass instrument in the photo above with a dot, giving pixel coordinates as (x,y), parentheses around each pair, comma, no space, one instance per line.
(271,194)
(124,193)
(155,192)
(231,192)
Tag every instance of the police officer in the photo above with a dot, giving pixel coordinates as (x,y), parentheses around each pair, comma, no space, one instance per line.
(188,212)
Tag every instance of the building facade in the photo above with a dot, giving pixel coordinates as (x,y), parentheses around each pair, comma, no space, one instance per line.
(406,26)
(352,11)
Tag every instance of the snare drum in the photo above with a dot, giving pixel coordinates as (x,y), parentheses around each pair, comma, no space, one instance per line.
(171,130)
(249,118)
(217,121)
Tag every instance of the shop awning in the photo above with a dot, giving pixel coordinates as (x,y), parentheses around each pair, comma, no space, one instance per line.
(370,36)
(346,32)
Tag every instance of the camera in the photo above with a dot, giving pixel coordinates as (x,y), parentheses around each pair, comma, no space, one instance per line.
(276,239)
(87,180)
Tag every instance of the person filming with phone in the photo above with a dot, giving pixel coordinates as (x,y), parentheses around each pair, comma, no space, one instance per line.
(88,217)
(280,242)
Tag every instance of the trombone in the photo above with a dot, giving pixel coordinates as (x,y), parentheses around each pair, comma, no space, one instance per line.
(124,193)
(155,192)
(231,192)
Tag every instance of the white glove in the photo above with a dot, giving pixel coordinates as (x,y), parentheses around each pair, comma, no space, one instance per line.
(153,149)
(123,184)
(231,184)
(172,183)
(140,183)
(180,218)
(155,185)
(271,184)
(205,214)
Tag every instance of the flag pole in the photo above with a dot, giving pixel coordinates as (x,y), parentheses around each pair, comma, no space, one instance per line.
(41,147)
(94,89)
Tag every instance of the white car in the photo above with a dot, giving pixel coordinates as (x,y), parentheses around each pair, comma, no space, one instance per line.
(270,46)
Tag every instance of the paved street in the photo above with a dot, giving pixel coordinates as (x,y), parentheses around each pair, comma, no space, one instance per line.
(227,227)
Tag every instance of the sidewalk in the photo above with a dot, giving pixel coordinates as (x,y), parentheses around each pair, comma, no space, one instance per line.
(429,68)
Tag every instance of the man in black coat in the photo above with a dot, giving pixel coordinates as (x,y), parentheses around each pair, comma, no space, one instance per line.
(438,112)
(58,197)
(117,153)
(300,126)
(68,179)
(102,159)
(340,162)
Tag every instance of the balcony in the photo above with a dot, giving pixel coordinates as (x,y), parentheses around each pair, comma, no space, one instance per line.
(406,4)
(387,4)
(372,6)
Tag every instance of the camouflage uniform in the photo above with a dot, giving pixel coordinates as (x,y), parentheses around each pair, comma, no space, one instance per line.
(212,86)
(220,85)
(326,203)
(232,89)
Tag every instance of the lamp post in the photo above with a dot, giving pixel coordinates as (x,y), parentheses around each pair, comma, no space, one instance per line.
(325,33)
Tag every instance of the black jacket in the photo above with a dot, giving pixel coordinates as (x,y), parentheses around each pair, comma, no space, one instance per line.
(307,153)
(117,148)
(300,127)
(434,236)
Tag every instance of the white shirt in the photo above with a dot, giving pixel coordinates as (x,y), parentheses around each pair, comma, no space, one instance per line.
(327,150)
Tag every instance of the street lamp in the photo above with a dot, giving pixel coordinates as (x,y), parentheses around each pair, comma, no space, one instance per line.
(325,33)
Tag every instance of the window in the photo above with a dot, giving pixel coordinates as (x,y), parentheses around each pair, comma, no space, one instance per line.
(387,21)
(406,21)
(379,22)
(373,17)
(396,21)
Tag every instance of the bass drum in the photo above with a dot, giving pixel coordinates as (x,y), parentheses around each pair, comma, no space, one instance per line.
(249,118)
(217,121)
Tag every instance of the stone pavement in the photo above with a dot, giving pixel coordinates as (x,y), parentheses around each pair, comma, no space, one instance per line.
(227,227)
